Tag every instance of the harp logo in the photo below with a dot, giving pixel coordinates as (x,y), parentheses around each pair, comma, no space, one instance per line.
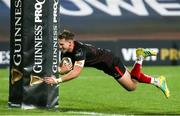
(35,80)
(16,75)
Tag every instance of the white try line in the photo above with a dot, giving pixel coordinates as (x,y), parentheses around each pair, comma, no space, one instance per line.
(94,113)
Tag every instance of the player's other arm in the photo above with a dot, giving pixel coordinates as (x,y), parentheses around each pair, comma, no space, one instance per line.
(75,72)
(78,66)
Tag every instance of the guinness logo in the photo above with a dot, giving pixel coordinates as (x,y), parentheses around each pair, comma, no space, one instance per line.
(16,75)
(35,80)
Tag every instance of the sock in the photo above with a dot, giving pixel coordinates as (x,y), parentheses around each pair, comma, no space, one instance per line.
(136,70)
(136,74)
(155,81)
(145,78)
(140,60)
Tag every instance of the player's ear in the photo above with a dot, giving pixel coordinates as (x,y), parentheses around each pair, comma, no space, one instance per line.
(70,43)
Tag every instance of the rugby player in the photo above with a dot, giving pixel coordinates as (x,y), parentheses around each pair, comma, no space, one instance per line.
(86,55)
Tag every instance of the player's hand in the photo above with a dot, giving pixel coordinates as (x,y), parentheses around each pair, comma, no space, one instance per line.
(51,80)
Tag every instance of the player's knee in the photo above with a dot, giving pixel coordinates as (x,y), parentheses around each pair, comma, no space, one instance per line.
(131,88)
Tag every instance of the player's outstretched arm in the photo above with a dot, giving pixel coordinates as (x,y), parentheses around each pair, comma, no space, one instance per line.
(75,72)
(71,75)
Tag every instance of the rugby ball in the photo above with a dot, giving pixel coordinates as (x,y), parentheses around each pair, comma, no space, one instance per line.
(67,61)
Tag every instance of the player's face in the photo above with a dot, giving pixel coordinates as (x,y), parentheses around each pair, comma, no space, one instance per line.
(64,45)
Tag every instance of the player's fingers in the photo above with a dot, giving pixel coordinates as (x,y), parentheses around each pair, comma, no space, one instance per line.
(48,80)
(45,79)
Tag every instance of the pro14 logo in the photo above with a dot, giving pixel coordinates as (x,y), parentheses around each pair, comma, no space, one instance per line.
(129,54)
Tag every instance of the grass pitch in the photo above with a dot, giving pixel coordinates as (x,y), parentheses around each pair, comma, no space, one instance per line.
(98,94)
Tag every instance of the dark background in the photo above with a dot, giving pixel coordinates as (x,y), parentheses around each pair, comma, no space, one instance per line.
(127,30)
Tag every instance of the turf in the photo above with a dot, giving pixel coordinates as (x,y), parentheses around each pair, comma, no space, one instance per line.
(96,93)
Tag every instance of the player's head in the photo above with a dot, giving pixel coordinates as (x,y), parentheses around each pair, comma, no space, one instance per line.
(65,40)
(66,34)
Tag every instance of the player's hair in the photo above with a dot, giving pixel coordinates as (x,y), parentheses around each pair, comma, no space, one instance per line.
(67,35)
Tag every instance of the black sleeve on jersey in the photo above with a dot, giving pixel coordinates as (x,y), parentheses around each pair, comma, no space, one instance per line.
(80,54)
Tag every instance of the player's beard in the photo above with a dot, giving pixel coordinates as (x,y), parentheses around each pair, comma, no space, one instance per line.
(64,50)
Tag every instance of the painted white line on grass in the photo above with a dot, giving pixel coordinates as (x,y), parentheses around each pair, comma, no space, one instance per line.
(94,113)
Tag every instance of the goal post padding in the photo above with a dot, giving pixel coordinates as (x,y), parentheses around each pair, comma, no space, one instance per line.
(33,53)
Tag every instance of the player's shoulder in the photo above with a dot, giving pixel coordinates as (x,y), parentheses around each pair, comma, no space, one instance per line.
(79,46)
(78,43)
(84,45)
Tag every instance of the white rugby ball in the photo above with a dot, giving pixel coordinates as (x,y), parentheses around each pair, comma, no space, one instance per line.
(67,61)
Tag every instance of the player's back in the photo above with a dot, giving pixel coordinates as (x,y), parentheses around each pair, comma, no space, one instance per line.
(97,57)
(102,59)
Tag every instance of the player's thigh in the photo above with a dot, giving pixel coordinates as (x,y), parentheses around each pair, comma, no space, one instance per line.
(127,82)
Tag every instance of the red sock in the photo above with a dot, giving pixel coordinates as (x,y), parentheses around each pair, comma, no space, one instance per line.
(145,78)
(136,74)
(136,71)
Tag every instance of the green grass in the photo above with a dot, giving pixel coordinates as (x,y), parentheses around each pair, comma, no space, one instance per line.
(95,91)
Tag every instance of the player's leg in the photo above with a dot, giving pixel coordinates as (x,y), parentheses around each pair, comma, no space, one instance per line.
(136,70)
(130,83)
(122,75)
(143,78)
(127,82)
